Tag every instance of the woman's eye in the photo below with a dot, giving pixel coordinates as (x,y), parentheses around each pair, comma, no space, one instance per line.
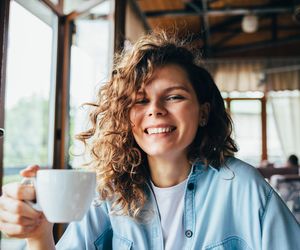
(141,101)
(174,97)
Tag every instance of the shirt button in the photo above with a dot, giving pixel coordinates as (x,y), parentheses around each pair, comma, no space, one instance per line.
(191,186)
(188,233)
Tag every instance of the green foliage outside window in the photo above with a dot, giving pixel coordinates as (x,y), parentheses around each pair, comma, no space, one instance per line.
(26,132)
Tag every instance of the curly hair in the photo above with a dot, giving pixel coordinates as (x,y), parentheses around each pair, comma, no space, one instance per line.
(120,164)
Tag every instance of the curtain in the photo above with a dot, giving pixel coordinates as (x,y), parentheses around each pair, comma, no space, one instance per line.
(286,112)
(287,78)
(255,75)
(237,75)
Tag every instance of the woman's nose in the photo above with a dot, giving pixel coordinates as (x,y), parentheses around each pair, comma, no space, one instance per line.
(156,109)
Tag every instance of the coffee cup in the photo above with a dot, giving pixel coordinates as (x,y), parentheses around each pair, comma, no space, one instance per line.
(64,195)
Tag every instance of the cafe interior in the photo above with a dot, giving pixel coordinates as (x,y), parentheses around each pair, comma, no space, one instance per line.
(56,53)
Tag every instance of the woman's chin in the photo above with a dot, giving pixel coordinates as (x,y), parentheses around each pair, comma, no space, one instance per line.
(163,153)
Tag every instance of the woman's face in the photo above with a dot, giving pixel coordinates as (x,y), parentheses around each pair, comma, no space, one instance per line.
(166,114)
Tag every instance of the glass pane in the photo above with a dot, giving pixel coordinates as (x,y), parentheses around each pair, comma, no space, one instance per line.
(275,152)
(246,115)
(29,79)
(90,58)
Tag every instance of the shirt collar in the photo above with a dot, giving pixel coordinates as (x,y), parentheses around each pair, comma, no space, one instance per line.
(200,166)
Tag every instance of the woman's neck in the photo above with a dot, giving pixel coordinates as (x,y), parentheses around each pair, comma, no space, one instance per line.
(168,172)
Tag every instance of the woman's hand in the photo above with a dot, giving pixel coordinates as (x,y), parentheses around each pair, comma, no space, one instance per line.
(17,218)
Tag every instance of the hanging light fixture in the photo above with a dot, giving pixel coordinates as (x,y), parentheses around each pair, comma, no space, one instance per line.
(250,23)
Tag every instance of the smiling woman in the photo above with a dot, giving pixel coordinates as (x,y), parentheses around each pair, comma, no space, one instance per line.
(160,142)
(156,85)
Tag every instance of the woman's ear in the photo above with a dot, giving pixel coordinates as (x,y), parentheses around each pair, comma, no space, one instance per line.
(204,114)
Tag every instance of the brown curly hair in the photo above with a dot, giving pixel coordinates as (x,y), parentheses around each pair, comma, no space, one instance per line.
(120,164)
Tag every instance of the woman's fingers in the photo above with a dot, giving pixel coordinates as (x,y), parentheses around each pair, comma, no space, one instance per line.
(18,207)
(30,171)
(18,191)
(15,230)
(12,218)
(17,218)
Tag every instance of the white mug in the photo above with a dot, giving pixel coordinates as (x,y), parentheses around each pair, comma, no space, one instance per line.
(64,195)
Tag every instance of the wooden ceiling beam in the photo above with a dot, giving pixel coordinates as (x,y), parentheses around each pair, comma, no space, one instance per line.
(205,24)
(226,38)
(257,45)
(229,21)
(261,28)
(219,12)
(274,27)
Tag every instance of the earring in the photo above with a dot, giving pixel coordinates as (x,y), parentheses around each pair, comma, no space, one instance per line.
(202,123)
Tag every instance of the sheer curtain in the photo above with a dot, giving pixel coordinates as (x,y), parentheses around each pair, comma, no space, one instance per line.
(286,112)
(237,75)
(281,76)
(256,74)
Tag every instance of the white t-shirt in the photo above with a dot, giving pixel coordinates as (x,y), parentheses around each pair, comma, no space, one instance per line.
(170,204)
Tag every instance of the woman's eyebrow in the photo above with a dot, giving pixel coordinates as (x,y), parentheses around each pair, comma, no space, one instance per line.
(168,89)
(176,88)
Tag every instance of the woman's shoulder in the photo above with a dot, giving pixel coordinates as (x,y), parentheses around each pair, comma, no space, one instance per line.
(243,174)
(241,168)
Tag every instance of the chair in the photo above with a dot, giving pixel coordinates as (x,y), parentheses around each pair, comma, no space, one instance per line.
(268,172)
(288,187)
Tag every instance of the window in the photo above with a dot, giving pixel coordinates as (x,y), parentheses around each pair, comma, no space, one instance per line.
(28,92)
(246,115)
(28,100)
(90,60)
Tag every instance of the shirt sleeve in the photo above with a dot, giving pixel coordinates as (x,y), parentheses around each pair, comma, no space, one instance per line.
(280,229)
(83,234)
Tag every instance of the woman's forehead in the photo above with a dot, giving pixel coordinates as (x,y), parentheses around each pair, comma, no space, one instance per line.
(172,73)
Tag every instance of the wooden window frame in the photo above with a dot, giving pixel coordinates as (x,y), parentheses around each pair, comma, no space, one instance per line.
(263,103)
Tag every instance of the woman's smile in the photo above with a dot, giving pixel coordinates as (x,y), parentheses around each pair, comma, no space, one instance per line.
(159,130)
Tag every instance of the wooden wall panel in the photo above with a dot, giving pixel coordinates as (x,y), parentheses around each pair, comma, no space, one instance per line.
(154,5)
(184,24)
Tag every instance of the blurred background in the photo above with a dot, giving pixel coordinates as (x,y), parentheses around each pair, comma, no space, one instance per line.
(56,53)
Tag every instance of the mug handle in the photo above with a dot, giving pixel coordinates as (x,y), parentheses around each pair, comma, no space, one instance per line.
(31,181)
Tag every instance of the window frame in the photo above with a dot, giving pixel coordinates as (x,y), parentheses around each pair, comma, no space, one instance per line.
(263,103)
(4,17)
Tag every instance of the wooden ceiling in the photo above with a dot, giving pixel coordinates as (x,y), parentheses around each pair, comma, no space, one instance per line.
(215,25)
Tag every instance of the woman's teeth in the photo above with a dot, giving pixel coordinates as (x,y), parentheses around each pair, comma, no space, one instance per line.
(151,131)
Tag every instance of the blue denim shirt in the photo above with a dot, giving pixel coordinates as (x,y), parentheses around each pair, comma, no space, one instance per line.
(230,208)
